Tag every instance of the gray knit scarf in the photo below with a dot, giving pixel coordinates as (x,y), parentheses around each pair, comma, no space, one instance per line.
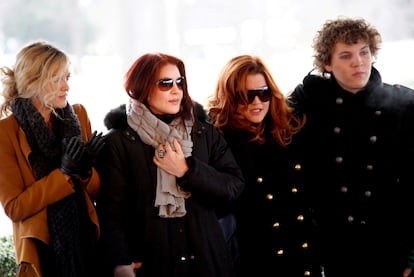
(153,131)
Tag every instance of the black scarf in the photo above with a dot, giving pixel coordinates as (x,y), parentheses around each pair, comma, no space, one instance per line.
(68,218)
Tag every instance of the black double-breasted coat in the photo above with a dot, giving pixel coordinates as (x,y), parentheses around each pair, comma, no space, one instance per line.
(132,230)
(359,171)
(275,228)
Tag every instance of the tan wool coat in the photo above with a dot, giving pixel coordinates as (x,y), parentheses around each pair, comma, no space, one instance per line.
(18,188)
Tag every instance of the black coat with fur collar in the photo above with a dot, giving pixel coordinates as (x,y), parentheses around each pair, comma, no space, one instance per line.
(192,245)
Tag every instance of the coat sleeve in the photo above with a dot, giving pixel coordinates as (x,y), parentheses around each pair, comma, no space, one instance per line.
(93,183)
(214,172)
(113,204)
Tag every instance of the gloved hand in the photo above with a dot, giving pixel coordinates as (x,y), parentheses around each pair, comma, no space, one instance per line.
(73,150)
(92,148)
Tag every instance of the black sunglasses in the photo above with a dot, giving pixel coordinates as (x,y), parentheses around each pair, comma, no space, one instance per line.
(167,83)
(263,93)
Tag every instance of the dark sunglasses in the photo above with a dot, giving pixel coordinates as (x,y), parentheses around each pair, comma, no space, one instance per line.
(167,83)
(263,93)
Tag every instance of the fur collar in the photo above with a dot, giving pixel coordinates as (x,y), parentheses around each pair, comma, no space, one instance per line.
(117,119)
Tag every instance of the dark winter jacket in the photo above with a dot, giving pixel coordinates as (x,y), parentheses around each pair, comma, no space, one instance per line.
(192,245)
(359,166)
(275,230)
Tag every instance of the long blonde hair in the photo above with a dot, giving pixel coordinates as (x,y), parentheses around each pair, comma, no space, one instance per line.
(37,68)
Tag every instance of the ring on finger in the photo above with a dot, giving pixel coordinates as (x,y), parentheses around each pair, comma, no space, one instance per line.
(161,153)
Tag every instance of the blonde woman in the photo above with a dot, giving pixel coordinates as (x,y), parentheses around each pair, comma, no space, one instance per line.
(47,182)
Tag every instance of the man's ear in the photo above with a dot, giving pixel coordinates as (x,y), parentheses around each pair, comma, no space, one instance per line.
(328,67)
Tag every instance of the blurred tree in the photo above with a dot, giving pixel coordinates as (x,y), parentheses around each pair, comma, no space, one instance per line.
(8,265)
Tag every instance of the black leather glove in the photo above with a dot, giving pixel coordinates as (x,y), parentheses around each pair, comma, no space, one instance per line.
(92,148)
(73,150)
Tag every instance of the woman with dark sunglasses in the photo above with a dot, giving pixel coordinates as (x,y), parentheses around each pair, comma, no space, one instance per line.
(164,170)
(274,225)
